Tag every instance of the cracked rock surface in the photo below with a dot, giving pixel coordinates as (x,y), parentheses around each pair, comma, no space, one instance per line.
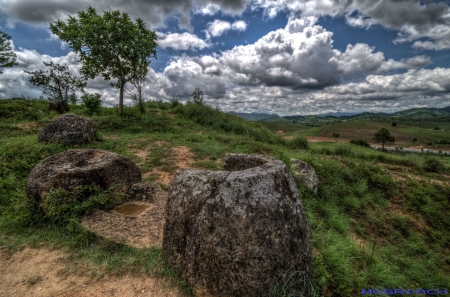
(240,231)
(70,129)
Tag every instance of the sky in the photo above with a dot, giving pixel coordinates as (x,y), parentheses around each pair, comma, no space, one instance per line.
(289,57)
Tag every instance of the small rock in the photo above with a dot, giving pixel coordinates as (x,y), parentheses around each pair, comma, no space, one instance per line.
(306,174)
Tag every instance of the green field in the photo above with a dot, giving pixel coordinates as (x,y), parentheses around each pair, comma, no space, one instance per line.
(380,220)
(404,134)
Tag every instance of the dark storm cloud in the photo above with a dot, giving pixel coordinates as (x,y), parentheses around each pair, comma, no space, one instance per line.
(152,12)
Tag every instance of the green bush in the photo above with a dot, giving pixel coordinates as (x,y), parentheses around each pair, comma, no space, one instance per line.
(433,165)
(343,150)
(92,103)
(62,206)
(299,143)
(360,142)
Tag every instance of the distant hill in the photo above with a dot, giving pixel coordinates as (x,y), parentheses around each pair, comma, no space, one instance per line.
(425,112)
(255,116)
(411,114)
(336,114)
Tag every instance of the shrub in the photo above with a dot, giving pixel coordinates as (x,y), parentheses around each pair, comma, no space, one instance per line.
(299,143)
(92,103)
(360,142)
(174,102)
(342,150)
(62,206)
(433,165)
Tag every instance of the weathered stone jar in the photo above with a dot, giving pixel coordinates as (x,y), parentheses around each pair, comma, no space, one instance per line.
(73,168)
(240,231)
(70,129)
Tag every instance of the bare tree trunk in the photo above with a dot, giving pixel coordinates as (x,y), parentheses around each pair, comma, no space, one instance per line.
(122,83)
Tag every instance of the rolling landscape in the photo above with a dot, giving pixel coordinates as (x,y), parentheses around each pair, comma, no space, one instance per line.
(379,219)
(218,148)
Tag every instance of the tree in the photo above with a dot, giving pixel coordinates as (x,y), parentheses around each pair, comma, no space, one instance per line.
(110,45)
(383,136)
(336,135)
(7,55)
(59,85)
(139,83)
(394,124)
(197,96)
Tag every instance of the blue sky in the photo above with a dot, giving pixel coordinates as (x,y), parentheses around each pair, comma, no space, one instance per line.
(273,56)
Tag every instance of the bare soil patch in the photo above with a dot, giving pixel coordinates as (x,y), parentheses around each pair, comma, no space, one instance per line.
(27,126)
(360,242)
(112,136)
(41,273)
(180,157)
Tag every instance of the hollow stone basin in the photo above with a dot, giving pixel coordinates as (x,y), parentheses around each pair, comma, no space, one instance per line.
(131,208)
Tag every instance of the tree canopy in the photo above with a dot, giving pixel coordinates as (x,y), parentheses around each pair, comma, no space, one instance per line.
(7,55)
(110,45)
(383,135)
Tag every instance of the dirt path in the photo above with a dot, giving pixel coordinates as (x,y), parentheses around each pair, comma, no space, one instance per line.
(41,273)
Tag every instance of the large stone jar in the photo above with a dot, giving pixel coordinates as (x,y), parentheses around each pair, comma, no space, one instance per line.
(240,231)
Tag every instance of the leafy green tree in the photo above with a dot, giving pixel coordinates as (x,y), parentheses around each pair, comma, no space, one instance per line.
(383,135)
(336,135)
(110,45)
(59,85)
(7,55)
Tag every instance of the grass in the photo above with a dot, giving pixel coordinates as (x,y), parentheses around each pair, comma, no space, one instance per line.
(380,220)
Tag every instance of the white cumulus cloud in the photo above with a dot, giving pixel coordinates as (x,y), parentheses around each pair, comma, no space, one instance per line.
(181,41)
(218,27)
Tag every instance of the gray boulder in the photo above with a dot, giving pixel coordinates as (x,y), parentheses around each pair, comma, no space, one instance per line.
(70,129)
(73,168)
(238,232)
(306,174)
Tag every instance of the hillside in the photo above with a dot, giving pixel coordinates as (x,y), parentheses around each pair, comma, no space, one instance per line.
(424,117)
(254,116)
(380,220)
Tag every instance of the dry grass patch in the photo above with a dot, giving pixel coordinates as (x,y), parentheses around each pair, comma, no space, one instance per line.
(27,126)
